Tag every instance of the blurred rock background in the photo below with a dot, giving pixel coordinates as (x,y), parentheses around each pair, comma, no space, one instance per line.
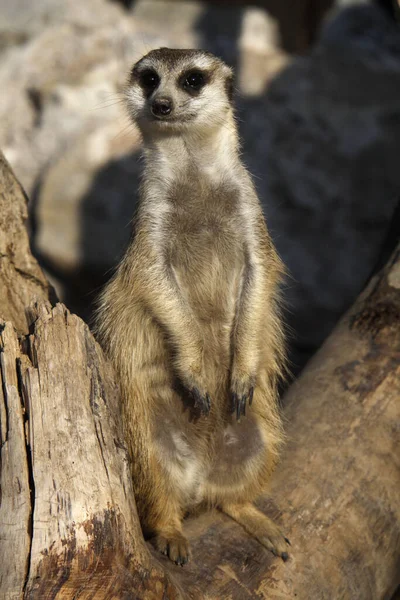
(318,105)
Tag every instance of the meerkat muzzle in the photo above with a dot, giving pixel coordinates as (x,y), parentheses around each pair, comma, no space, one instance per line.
(161,107)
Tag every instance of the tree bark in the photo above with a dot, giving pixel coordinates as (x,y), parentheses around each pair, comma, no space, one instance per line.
(68,522)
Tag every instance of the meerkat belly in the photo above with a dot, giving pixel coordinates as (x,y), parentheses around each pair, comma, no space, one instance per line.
(210,281)
(239,454)
(208,265)
(206,246)
(182,460)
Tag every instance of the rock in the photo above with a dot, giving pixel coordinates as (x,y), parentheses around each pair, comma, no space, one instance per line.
(23,19)
(92,183)
(54,84)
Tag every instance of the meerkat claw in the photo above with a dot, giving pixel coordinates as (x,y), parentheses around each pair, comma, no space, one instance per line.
(251,393)
(238,405)
(233,402)
(203,403)
(242,407)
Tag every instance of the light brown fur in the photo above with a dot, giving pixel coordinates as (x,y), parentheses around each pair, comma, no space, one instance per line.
(192,313)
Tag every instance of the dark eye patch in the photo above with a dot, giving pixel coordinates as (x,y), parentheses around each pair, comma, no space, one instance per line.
(193,81)
(149,80)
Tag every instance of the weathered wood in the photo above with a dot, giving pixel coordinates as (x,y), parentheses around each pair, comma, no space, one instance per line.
(340,481)
(85,535)
(15,498)
(21,279)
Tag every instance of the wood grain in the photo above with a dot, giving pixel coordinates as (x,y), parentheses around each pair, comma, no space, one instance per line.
(15,497)
(21,279)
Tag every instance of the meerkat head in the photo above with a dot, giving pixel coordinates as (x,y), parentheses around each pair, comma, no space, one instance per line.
(179,90)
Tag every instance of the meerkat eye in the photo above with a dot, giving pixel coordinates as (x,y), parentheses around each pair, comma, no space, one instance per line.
(149,80)
(193,80)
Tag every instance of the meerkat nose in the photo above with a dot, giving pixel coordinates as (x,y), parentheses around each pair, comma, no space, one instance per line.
(161,107)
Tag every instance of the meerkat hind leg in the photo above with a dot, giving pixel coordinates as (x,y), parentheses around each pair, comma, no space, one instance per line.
(168,538)
(164,524)
(259,526)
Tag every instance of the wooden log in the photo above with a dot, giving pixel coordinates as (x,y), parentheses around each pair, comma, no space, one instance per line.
(84,537)
(339,484)
(68,523)
(21,278)
(15,497)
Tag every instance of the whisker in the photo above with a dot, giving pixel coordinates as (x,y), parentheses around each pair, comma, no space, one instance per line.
(100,106)
(128,128)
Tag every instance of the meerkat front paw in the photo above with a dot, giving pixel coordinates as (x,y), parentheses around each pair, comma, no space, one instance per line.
(192,378)
(200,397)
(202,402)
(242,391)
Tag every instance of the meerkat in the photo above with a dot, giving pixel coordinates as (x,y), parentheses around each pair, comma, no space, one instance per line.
(191,317)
